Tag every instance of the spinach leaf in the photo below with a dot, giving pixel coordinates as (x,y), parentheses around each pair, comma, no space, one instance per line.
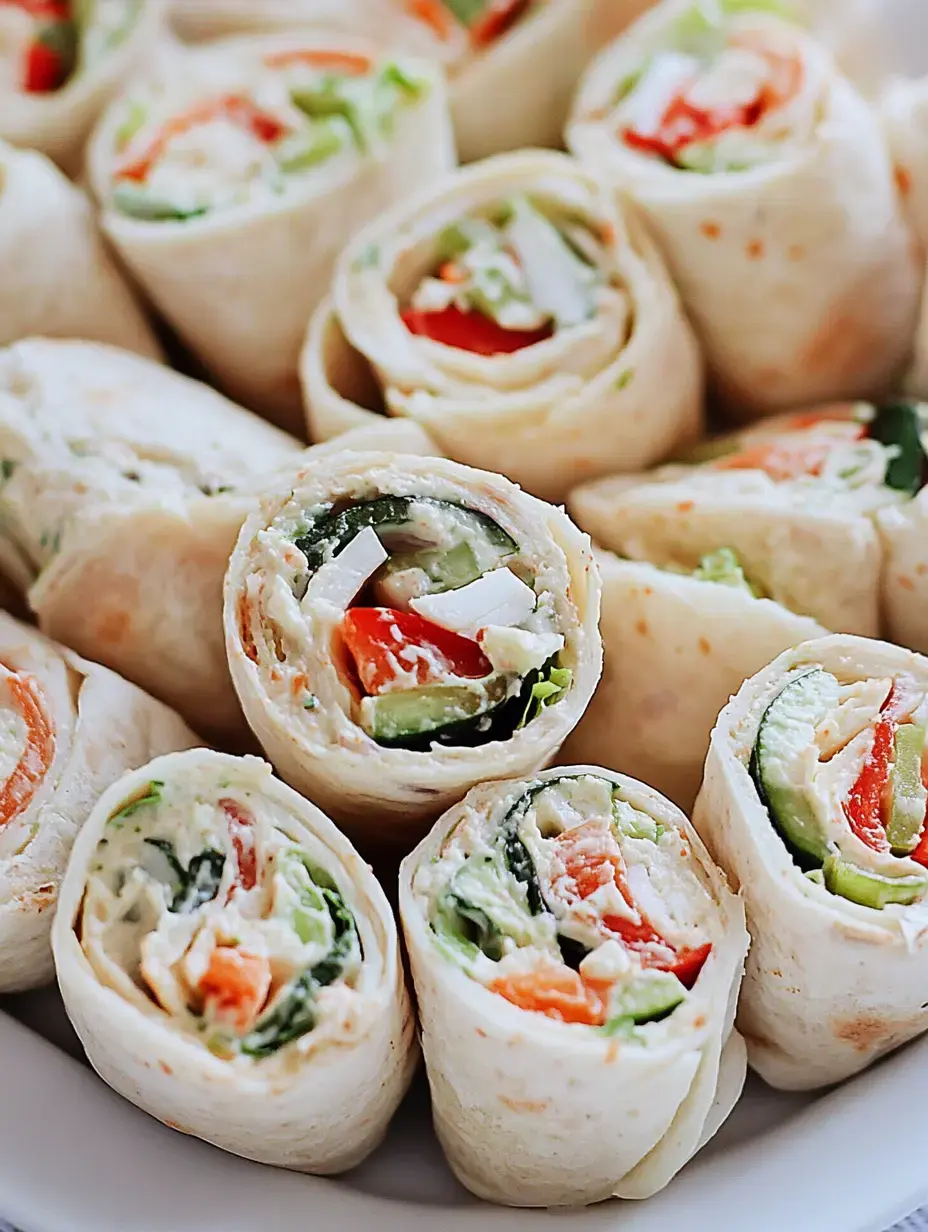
(295,1013)
(151,795)
(195,885)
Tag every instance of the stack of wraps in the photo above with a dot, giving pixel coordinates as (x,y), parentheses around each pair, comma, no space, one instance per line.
(232,966)
(68,729)
(401,628)
(577,957)
(58,278)
(60,63)
(511,64)
(123,486)
(814,803)
(568,360)
(232,176)
(766,181)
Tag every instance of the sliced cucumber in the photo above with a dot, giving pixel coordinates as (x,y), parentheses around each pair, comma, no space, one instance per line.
(871,889)
(394,519)
(785,732)
(897,423)
(907,792)
(647,998)
(136,201)
(435,711)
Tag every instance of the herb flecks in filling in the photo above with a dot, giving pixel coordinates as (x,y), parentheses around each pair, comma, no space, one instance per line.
(510,278)
(220,919)
(569,904)
(447,639)
(54,40)
(301,108)
(839,766)
(719,96)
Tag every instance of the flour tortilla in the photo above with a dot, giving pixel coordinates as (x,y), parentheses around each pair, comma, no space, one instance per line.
(58,123)
(512,94)
(239,284)
(818,562)
(590,401)
(59,279)
(533,1112)
(102,726)
(388,796)
(319,1110)
(105,516)
(830,985)
(799,275)
(674,651)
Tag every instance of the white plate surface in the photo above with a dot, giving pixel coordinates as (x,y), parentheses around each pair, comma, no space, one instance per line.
(74,1157)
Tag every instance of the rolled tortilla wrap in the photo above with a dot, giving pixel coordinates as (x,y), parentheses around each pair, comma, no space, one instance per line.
(572,360)
(511,64)
(59,279)
(904,112)
(813,803)
(232,966)
(399,629)
(232,177)
(799,499)
(69,728)
(123,487)
(61,62)
(577,958)
(766,181)
(676,646)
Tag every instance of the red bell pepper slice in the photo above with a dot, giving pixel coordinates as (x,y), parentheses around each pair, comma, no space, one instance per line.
(590,857)
(238,108)
(471,331)
(684,123)
(44,70)
(386,644)
(242,833)
(499,17)
(864,805)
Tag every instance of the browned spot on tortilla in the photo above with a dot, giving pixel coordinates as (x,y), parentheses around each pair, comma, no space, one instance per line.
(113,626)
(903,178)
(648,590)
(685,506)
(180,1129)
(711,230)
(864,1033)
(166,1068)
(641,627)
(777,973)
(705,646)
(921,569)
(755,250)
(525,1105)
(39,899)
(795,252)
(480,1031)
(699,1022)
(906,582)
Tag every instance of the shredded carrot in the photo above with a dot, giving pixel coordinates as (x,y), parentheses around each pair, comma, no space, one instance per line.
(434,14)
(450,271)
(244,626)
(557,992)
(347,63)
(235,985)
(37,756)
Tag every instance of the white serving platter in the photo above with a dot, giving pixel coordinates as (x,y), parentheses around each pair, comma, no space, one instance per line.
(74,1157)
